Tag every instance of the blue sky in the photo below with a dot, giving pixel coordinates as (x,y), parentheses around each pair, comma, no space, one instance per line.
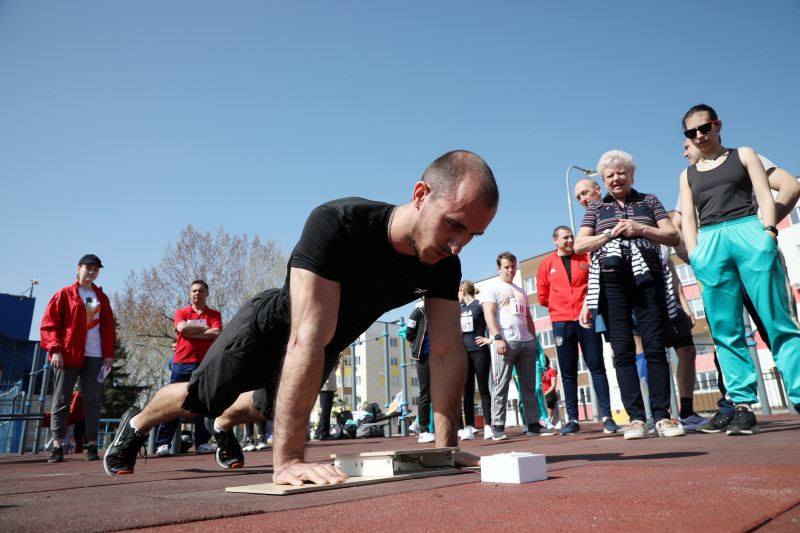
(122,122)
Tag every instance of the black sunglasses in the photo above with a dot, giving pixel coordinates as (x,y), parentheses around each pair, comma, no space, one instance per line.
(705,129)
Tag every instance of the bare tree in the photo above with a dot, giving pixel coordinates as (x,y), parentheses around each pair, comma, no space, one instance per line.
(235,269)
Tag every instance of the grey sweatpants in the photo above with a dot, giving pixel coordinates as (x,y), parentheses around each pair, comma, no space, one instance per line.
(91,391)
(523,356)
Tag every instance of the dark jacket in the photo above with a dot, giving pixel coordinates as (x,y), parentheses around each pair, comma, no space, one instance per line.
(415,331)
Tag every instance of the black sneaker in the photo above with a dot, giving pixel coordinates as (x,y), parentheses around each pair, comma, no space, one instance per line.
(120,458)
(57,456)
(744,422)
(538,430)
(229,451)
(91,453)
(716,424)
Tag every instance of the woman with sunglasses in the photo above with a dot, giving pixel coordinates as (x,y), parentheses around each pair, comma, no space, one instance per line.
(624,231)
(733,243)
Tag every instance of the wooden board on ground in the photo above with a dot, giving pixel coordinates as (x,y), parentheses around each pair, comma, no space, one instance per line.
(372,467)
(283,490)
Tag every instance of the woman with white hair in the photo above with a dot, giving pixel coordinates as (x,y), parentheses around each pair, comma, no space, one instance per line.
(624,231)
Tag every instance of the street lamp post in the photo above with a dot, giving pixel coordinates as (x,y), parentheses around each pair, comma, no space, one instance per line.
(586,173)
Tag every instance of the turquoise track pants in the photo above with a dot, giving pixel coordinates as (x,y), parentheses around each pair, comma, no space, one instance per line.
(725,252)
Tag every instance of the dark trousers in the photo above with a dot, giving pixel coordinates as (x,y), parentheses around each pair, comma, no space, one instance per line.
(325,405)
(181,372)
(424,406)
(569,335)
(622,296)
(479,363)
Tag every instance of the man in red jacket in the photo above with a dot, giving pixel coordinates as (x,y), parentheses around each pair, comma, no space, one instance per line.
(561,285)
(78,331)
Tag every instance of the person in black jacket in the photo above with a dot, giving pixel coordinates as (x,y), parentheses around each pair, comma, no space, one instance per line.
(417,334)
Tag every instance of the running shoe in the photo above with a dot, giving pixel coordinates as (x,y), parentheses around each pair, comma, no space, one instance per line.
(262,444)
(120,458)
(717,424)
(229,452)
(487,432)
(610,427)
(468,433)
(163,450)
(669,428)
(692,422)
(637,430)
(498,434)
(415,428)
(204,448)
(249,445)
(91,453)
(57,456)
(537,430)
(426,437)
(744,422)
(572,428)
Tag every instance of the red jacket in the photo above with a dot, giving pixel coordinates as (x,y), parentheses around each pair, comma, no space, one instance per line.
(64,327)
(564,300)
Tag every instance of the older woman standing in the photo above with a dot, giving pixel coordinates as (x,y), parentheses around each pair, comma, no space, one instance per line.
(623,230)
(734,244)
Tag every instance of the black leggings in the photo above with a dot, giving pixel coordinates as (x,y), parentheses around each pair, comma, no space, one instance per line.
(480,365)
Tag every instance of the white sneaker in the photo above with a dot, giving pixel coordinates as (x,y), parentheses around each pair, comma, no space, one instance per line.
(487,433)
(204,448)
(262,445)
(637,430)
(163,450)
(468,433)
(547,424)
(249,446)
(415,428)
(668,428)
(426,437)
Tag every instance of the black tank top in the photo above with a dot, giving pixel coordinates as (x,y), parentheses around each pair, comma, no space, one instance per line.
(723,193)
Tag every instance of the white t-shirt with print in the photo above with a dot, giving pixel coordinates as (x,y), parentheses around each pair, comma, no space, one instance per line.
(92,302)
(511,312)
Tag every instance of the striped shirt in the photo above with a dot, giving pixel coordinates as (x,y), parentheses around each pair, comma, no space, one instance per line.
(645,209)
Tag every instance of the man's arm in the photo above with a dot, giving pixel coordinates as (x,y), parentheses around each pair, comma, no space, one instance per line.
(788,189)
(448,365)
(492,326)
(680,249)
(314,304)
(689,221)
(543,285)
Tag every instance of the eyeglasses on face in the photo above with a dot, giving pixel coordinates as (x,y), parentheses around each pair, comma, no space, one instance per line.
(705,129)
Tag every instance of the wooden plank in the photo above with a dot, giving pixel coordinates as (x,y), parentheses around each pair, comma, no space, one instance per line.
(284,490)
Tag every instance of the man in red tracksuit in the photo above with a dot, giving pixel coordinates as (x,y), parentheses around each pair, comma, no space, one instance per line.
(561,286)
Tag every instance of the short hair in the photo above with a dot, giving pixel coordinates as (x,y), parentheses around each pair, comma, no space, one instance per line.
(615,156)
(469,287)
(508,256)
(699,108)
(445,174)
(559,228)
(199,282)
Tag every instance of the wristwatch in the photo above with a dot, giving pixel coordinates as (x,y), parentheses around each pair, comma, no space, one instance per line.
(607,234)
(498,337)
(773,229)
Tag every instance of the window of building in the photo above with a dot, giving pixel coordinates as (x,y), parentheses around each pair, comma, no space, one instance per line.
(546,338)
(415,400)
(393,341)
(394,361)
(582,365)
(338,380)
(415,383)
(685,274)
(395,381)
(530,285)
(537,312)
(705,381)
(696,305)
(358,380)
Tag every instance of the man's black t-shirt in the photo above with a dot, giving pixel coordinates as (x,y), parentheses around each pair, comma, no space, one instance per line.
(347,241)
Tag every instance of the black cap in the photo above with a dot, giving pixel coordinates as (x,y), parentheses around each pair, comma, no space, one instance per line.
(88,259)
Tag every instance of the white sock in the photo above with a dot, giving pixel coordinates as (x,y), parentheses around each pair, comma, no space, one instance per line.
(217,427)
(133,427)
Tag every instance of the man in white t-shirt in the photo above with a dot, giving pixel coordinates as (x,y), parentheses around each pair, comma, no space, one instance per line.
(508,318)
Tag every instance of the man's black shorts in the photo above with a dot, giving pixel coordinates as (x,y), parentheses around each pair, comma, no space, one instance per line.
(240,360)
(550,400)
(681,334)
